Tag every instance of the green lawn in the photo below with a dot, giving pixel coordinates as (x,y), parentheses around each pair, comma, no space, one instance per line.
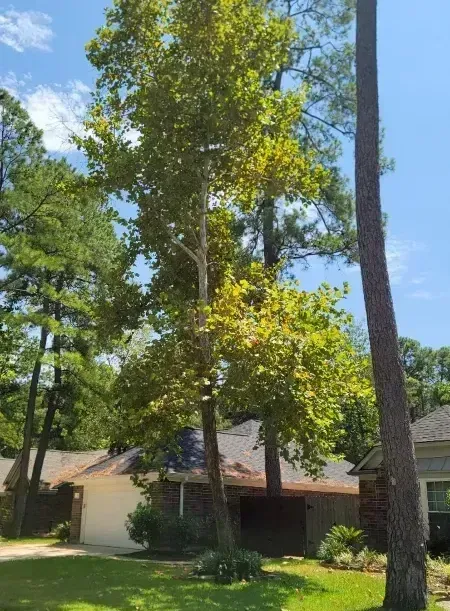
(29,541)
(98,584)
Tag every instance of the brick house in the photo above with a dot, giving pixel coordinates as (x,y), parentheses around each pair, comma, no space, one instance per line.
(54,502)
(431,436)
(6,498)
(104,493)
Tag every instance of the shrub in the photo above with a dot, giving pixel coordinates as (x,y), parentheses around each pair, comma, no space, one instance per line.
(345,559)
(226,566)
(248,563)
(183,531)
(352,538)
(340,540)
(439,570)
(207,563)
(330,550)
(369,559)
(62,532)
(145,526)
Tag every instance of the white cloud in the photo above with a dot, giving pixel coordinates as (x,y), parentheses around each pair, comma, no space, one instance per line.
(420,294)
(419,279)
(398,253)
(25,29)
(12,84)
(59,112)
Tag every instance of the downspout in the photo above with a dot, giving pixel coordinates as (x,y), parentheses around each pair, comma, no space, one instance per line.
(181,509)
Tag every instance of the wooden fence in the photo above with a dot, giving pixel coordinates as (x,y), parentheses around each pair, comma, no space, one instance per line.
(323,512)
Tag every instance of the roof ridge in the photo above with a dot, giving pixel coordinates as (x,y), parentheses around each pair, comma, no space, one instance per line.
(441,408)
(221,432)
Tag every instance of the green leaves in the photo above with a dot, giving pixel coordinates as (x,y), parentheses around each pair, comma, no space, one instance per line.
(286,356)
(187,77)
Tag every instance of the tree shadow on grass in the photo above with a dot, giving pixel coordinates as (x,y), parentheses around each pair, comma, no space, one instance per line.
(85,584)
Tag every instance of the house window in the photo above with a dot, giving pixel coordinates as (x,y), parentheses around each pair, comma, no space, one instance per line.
(436,495)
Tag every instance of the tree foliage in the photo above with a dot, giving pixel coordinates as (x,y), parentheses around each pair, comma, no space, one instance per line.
(285,355)
(427,376)
(61,261)
(185,81)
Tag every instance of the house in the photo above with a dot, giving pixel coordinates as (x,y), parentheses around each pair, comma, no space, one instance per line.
(431,436)
(104,494)
(5,467)
(5,497)
(54,502)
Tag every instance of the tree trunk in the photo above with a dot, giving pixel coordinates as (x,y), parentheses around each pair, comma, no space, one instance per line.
(53,404)
(220,507)
(274,486)
(271,452)
(406,575)
(22,483)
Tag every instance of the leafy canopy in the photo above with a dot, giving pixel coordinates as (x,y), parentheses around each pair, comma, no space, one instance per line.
(181,89)
(284,355)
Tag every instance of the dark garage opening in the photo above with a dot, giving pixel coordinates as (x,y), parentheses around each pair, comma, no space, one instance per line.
(274,526)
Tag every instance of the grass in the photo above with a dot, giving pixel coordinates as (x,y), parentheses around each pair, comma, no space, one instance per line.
(100,584)
(28,541)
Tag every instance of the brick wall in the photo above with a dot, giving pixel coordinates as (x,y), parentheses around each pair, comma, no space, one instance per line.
(52,509)
(77,510)
(197,502)
(166,496)
(373,510)
(6,510)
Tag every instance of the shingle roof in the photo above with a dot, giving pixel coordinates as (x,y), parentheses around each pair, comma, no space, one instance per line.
(433,427)
(240,458)
(5,468)
(58,466)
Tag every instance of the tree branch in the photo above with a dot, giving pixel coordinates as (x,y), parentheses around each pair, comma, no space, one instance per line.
(176,240)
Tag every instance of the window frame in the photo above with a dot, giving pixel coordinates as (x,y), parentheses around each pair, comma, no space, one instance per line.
(434,482)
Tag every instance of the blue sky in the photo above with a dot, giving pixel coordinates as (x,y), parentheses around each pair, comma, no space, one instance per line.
(42,60)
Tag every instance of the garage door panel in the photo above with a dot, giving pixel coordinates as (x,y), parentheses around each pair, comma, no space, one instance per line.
(105,512)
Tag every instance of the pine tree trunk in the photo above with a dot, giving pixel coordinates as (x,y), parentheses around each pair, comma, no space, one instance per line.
(22,483)
(225,536)
(406,575)
(53,403)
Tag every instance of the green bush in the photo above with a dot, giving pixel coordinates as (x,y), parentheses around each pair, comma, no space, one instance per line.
(62,532)
(183,532)
(345,559)
(145,526)
(438,569)
(227,566)
(207,563)
(248,564)
(330,550)
(352,538)
(370,559)
(340,540)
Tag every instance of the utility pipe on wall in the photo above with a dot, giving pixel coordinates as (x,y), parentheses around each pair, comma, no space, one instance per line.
(181,510)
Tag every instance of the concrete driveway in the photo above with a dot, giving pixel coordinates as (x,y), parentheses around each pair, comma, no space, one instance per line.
(20,552)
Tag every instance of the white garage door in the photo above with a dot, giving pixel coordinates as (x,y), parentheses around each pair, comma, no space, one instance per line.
(105,510)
